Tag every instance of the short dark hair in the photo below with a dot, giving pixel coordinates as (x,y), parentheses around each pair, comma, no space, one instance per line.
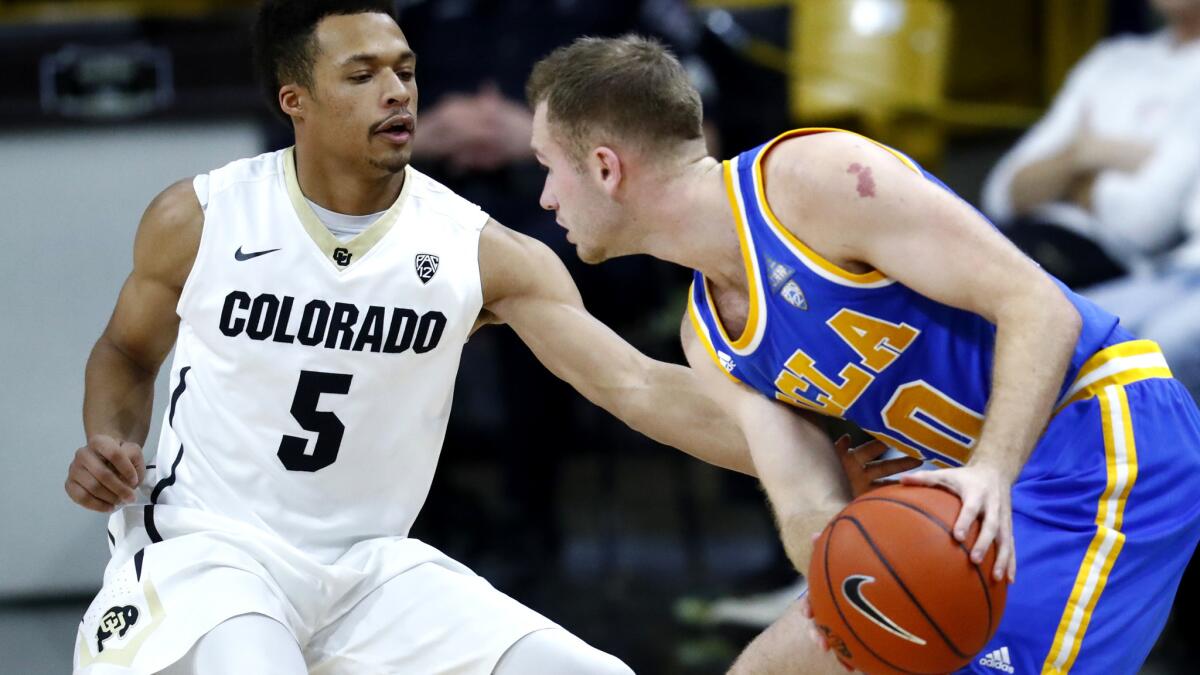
(285,39)
(631,87)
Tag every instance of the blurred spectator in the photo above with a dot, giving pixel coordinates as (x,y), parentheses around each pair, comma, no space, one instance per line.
(473,135)
(1163,303)
(1099,184)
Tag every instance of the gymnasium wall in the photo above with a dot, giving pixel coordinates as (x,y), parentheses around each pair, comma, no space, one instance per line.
(71,200)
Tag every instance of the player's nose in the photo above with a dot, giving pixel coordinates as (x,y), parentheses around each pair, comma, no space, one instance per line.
(399,93)
(547,200)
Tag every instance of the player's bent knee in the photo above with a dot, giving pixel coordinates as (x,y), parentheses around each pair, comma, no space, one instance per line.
(554,650)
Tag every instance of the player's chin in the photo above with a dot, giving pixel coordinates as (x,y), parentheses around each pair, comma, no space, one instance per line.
(590,254)
(394,160)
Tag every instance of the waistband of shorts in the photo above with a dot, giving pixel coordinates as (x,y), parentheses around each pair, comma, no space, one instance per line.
(1120,364)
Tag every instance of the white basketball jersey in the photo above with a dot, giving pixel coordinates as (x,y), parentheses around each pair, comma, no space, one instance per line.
(312,379)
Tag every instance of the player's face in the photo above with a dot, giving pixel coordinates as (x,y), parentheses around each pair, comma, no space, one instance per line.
(579,203)
(365,90)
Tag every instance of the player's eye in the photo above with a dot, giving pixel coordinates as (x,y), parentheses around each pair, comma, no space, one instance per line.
(360,77)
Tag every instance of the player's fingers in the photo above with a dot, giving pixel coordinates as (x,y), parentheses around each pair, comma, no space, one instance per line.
(1003,556)
(842,444)
(99,471)
(88,482)
(891,467)
(971,505)
(86,498)
(926,478)
(870,451)
(120,462)
(139,462)
(987,534)
(1012,560)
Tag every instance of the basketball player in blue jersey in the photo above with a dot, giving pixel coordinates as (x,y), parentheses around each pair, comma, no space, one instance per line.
(835,277)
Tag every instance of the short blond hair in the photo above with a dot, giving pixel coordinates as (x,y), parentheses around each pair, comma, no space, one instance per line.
(630,87)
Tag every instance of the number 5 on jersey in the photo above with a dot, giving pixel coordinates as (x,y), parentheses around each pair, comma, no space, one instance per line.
(327,426)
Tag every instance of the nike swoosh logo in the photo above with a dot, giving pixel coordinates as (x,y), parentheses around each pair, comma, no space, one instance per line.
(852,590)
(242,257)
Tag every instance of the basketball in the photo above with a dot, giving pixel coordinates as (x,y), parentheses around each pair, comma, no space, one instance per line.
(893,592)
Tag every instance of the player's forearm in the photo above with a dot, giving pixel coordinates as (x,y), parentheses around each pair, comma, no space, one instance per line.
(669,405)
(118,395)
(1035,338)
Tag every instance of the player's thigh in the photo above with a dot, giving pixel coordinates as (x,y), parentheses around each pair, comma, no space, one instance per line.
(786,648)
(154,607)
(554,650)
(428,619)
(250,643)
(1102,534)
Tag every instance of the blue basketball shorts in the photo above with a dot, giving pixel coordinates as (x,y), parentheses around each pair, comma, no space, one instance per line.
(1106,514)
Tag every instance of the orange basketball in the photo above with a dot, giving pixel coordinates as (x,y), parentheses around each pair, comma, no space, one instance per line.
(893,592)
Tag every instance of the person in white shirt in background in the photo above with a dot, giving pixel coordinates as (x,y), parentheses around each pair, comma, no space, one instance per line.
(1097,187)
(1163,303)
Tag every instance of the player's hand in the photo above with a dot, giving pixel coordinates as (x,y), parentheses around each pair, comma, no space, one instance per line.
(105,473)
(987,495)
(863,466)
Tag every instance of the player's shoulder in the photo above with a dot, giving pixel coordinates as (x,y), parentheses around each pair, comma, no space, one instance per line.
(175,210)
(819,154)
(438,202)
(510,252)
(168,236)
(807,173)
(512,264)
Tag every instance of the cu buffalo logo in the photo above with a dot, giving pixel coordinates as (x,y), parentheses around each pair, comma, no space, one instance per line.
(342,256)
(117,620)
(427,266)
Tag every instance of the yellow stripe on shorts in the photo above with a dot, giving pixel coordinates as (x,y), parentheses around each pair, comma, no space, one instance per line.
(1120,452)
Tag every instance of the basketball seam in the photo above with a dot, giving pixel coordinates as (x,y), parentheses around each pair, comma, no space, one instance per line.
(837,606)
(987,594)
(904,587)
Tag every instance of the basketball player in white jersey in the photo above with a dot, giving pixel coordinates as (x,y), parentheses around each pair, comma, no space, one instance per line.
(315,356)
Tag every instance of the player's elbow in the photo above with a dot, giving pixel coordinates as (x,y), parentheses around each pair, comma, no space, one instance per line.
(1058,314)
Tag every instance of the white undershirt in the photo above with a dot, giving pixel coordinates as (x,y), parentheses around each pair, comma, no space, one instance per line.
(341,226)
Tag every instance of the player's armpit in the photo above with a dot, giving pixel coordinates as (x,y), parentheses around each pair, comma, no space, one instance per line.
(526,286)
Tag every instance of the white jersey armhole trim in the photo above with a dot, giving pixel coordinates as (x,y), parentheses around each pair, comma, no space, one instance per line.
(201,185)
(484,219)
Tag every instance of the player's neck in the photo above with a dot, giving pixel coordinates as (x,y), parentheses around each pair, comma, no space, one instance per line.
(350,189)
(693,225)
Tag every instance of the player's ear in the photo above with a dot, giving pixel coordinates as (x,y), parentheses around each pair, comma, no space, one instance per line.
(608,168)
(291,100)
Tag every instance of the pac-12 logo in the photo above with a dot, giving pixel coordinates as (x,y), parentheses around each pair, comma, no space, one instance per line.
(342,256)
(116,620)
(427,266)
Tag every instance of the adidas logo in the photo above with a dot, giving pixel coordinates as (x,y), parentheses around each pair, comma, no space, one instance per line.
(998,660)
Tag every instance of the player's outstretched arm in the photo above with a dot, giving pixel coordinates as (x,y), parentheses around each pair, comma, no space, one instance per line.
(119,379)
(866,204)
(796,462)
(526,286)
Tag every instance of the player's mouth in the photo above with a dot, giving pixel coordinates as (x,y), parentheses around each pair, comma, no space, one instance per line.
(396,129)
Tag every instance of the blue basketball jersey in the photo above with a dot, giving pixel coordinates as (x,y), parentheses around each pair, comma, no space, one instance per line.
(1106,511)
(913,372)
